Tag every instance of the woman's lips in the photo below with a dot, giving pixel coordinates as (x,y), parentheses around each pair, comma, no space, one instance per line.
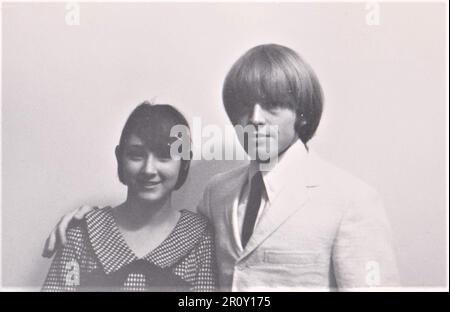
(149,184)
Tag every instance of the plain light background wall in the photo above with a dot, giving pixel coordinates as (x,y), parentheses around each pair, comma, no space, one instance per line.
(67,91)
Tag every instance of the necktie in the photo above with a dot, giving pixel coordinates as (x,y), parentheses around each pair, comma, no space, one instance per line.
(253,203)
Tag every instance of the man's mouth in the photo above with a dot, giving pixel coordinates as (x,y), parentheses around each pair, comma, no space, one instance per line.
(256,136)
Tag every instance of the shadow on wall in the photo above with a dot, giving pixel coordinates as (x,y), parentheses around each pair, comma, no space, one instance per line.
(200,173)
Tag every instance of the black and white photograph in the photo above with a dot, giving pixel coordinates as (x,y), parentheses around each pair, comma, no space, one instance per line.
(224,146)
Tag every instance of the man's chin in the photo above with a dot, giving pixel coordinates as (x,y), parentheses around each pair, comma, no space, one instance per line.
(263,156)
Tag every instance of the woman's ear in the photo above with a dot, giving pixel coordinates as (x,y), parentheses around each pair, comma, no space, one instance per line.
(117,151)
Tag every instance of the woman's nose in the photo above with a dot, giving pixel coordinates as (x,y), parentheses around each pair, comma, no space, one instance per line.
(149,165)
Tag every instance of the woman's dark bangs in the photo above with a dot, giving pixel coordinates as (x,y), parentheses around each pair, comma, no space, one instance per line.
(155,134)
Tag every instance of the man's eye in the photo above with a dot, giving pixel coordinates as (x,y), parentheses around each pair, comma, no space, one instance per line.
(247,108)
(164,159)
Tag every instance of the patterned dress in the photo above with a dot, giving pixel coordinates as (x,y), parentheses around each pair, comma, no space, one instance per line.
(97,258)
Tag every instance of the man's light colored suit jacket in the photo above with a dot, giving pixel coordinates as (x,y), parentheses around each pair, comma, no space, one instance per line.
(325,229)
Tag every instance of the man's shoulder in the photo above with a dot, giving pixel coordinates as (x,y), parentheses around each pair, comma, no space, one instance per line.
(334,178)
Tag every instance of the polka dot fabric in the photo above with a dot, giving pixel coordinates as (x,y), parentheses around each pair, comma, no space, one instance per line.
(97,258)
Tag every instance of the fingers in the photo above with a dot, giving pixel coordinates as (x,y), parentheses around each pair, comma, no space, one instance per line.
(63,226)
(83,211)
(49,247)
(58,236)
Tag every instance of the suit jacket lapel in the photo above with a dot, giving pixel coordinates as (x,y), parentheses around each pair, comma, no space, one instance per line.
(231,192)
(292,197)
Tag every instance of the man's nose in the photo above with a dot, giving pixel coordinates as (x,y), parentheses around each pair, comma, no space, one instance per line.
(257,116)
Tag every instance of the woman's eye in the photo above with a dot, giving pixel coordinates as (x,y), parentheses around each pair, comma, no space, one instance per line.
(163,156)
(135,155)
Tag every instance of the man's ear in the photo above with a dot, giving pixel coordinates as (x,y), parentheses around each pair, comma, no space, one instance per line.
(301,120)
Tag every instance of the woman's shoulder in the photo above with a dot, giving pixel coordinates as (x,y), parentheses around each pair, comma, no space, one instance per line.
(195,218)
(78,233)
(195,233)
(76,237)
(194,223)
(98,214)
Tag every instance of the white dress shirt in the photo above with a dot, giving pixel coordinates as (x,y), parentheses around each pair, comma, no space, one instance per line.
(274,178)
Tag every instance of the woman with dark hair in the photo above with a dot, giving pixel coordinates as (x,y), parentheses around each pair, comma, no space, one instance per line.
(144,243)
